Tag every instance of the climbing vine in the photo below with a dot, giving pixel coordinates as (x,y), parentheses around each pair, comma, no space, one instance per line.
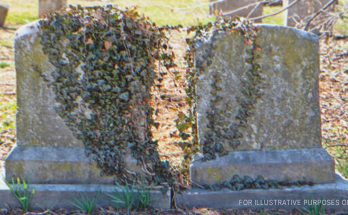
(223,25)
(104,62)
(237,183)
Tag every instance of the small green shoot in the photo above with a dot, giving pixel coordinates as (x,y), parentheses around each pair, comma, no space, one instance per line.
(317,209)
(144,197)
(4,65)
(131,197)
(86,204)
(124,198)
(22,192)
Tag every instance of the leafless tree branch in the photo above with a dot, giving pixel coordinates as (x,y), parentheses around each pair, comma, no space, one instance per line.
(318,13)
(8,93)
(245,7)
(276,13)
(253,10)
(341,37)
(337,145)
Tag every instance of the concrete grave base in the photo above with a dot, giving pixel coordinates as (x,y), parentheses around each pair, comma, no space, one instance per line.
(53,165)
(311,165)
(62,196)
(333,195)
(51,196)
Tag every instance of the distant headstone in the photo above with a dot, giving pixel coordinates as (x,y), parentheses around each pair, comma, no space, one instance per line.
(3,13)
(48,6)
(301,11)
(258,108)
(226,6)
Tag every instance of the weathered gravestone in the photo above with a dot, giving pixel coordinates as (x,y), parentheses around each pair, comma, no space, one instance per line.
(301,11)
(48,154)
(47,149)
(3,13)
(258,108)
(248,8)
(48,6)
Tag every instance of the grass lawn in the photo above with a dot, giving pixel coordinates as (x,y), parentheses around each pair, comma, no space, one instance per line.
(163,12)
(7,116)
(172,12)
(21,11)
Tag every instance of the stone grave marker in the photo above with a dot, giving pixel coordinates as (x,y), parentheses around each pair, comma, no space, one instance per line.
(48,6)
(258,109)
(47,149)
(48,153)
(3,13)
(226,6)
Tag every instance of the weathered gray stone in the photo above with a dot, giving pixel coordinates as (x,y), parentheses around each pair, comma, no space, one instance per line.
(313,165)
(51,196)
(271,103)
(286,115)
(300,13)
(38,124)
(226,6)
(334,196)
(3,13)
(46,150)
(58,165)
(48,6)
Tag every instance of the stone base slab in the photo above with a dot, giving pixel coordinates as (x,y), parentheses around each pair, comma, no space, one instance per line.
(63,196)
(49,165)
(335,196)
(312,165)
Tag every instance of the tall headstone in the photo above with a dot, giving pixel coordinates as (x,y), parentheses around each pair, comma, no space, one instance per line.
(302,10)
(47,151)
(252,9)
(258,108)
(48,6)
(3,13)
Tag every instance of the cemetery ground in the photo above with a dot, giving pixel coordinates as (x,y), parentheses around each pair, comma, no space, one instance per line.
(333,81)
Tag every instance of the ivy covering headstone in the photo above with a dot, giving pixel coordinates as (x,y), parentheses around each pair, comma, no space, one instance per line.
(104,59)
(209,32)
